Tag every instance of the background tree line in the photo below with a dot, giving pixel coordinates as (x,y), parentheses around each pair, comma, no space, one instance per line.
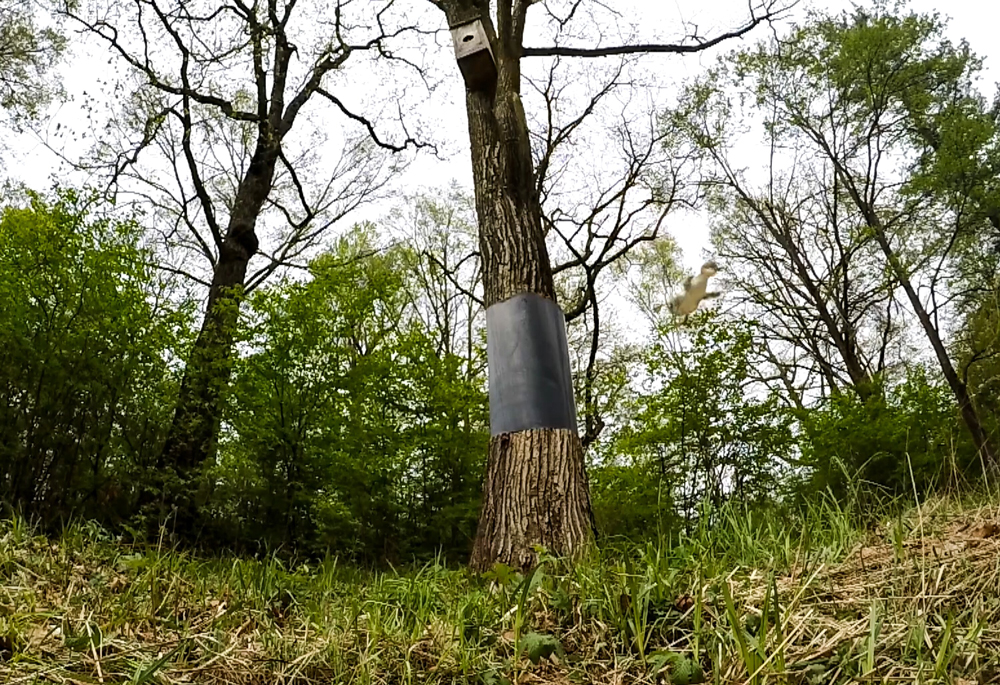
(853,353)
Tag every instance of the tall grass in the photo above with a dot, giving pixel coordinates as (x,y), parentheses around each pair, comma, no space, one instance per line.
(821,596)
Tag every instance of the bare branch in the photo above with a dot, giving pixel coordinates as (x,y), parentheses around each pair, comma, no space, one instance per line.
(699,45)
(371,128)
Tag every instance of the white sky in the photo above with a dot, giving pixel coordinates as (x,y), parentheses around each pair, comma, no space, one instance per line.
(975,21)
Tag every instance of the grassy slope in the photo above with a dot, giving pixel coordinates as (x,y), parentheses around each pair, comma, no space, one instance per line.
(917,599)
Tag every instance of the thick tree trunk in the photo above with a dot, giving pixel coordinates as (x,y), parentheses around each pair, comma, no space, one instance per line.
(198,413)
(196,419)
(535,485)
(536,489)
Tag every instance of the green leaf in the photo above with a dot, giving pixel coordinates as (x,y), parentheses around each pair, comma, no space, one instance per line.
(90,637)
(538,646)
(680,669)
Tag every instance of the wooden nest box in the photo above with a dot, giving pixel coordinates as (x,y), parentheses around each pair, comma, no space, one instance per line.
(474,55)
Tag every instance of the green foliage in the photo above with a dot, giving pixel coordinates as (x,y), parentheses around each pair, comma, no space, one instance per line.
(880,139)
(977,350)
(897,66)
(679,669)
(632,499)
(346,428)
(356,423)
(348,431)
(29,51)
(538,646)
(695,433)
(85,375)
(900,440)
(653,272)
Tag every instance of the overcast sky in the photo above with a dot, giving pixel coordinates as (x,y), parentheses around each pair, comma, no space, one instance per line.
(660,20)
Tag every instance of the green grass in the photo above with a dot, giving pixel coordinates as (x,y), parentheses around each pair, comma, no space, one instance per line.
(765,599)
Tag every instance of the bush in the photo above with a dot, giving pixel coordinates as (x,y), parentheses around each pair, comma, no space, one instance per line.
(694,434)
(347,431)
(899,440)
(85,381)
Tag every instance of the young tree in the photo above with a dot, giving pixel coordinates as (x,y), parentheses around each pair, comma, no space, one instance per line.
(536,486)
(697,425)
(218,90)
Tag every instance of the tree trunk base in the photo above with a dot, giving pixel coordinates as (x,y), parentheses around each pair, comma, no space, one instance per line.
(536,493)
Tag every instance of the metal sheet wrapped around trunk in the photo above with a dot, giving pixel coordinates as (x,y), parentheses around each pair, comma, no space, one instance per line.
(531,384)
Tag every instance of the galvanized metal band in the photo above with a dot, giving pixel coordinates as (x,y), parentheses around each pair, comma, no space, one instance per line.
(531,384)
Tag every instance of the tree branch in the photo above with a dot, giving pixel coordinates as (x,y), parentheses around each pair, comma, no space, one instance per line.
(371,127)
(649,48)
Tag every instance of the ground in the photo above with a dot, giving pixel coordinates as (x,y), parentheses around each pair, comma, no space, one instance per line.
(915,599)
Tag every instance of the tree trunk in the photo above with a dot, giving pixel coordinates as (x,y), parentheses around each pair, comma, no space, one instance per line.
(965,406)
(198,414)
(958,387)
(194,431)
(535,486)
(196,419)
(536,490)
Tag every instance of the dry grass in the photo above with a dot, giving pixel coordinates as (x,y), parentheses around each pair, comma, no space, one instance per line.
(917,600)
(928,603)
